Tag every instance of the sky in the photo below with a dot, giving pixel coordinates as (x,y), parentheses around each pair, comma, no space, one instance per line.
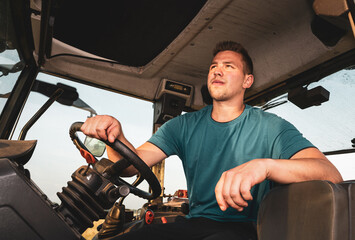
(56,158)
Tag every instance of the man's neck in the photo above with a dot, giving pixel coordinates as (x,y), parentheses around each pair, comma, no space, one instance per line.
(226,112)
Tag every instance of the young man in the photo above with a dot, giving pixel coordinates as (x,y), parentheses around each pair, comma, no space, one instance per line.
(230,151)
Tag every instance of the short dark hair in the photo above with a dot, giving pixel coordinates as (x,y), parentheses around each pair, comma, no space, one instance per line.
(238,48)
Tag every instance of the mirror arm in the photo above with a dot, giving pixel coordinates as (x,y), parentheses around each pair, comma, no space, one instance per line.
(39,113)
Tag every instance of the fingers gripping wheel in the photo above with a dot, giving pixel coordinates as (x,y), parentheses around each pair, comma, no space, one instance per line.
(129,158)
(79,145)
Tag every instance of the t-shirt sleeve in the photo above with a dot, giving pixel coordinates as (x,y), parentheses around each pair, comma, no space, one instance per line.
(167,138)
(287,140)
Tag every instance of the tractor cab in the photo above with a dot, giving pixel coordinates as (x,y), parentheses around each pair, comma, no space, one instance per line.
(146,62)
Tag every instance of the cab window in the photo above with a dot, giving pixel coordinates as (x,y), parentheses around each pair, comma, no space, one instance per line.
(56,157)
(329,126)
(10,66)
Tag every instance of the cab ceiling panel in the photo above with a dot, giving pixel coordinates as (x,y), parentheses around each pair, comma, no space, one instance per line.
(243,21)
(277,34)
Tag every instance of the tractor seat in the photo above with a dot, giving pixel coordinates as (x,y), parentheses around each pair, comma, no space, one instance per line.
(312,210)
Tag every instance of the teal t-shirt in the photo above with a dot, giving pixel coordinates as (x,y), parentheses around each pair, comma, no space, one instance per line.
(208,148)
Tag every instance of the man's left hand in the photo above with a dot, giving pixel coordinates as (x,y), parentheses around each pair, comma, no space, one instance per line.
(233,188)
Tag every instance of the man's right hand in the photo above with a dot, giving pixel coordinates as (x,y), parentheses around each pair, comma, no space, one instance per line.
(103,127)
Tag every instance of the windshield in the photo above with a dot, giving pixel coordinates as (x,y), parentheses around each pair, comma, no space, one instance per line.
(329,126)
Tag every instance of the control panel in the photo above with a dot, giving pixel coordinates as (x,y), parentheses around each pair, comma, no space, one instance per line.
(178,89)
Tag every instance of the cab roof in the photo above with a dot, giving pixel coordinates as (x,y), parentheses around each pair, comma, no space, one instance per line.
(130,46)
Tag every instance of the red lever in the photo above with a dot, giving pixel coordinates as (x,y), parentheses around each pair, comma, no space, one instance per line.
(88,156)
(163,220)
(149,216)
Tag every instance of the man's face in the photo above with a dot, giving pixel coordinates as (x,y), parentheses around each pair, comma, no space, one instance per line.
(226,78)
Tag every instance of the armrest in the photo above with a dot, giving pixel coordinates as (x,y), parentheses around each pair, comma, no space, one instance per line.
(17,151)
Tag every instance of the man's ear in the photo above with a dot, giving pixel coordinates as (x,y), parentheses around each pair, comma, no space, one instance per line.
(248,81)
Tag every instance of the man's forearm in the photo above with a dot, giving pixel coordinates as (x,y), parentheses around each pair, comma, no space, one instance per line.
(297,170)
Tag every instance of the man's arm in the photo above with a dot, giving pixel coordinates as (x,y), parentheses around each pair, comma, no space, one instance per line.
(233,188)
(108,128)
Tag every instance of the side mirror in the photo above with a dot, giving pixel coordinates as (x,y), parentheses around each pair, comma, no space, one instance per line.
(95,146)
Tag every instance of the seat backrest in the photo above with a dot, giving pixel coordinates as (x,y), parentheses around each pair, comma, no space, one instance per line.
(314,210)
(350,187)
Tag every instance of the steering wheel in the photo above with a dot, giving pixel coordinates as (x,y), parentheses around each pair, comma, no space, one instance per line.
(129,158)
